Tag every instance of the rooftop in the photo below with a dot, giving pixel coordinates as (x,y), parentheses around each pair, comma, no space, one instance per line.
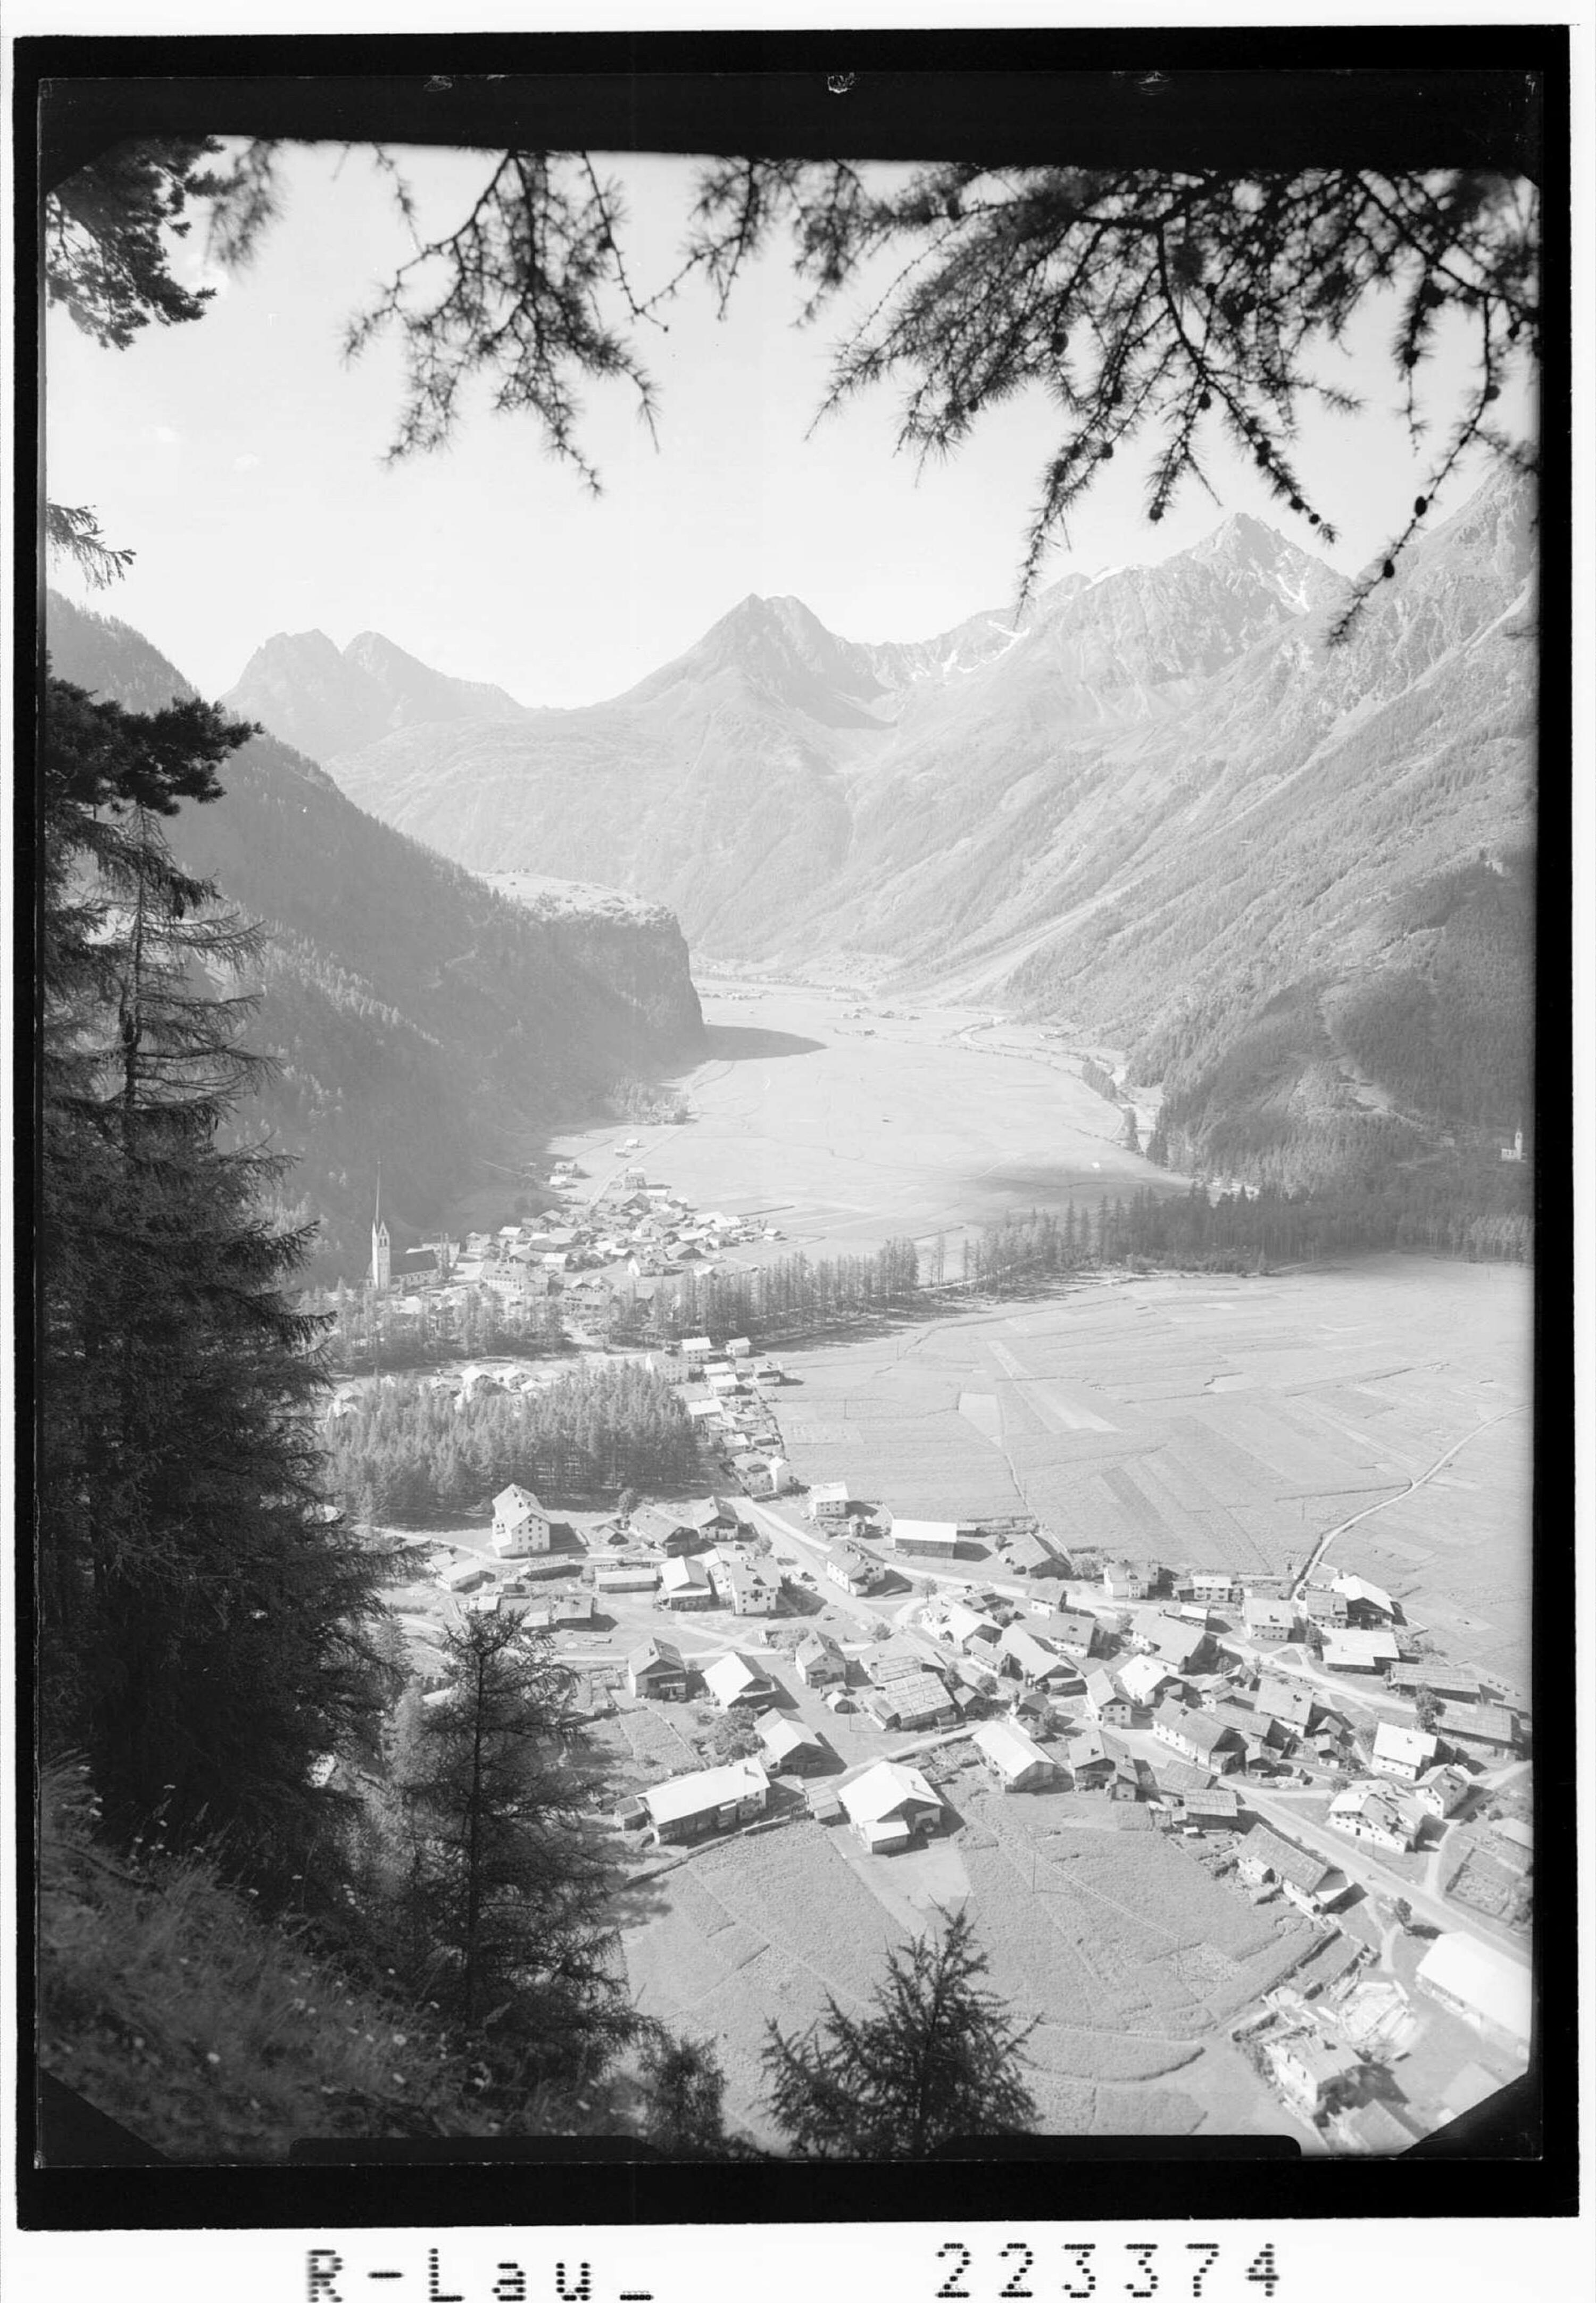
(709,1787)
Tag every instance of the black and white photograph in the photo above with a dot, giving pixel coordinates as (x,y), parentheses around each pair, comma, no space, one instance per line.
(792,1134)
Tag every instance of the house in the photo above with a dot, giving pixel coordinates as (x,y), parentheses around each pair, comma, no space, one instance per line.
(1024,1657)
(664,1527)
(1442,1790)
(927,1539)
(1014,1762)
(1123,1581)
(1090,1761)
(1211,1587)
(1210,1810)
(464,1576)
(791,1749)
(888,1804)
(912,1699)
(1362,1652)
(746,1586)
(829,1499)
(1309,1882)
(1027,1554)
(1197,1736)
(1325,1608)
(739,1348)
(732,1679)
(1107,1701)
(1366,1603)
(1317,2076)
(564,1611)
(626,1575)
(521,1524)
(704,1413)
(1073,1630)
(1286,1699)
(708,1517)
(1258,1736)
(763,1475)
(1365,1812)
(1478,1726)
(685,1583)
(1142,1677)
(656,1669)
(1487,1987)
(852,1571)
(696,1349)
(712,1799)
(1267,1621)
(1402,1752)
(1179,1646)
(820,1661)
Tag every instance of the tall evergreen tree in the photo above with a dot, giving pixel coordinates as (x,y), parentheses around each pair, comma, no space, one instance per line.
(513,1888)
(205,1616)
(937,2060)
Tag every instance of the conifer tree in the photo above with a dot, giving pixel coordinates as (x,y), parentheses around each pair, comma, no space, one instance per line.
(513,1889)
(204,1617)
(937,2060)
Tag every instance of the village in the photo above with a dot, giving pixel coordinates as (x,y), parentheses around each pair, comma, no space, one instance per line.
(777,1666)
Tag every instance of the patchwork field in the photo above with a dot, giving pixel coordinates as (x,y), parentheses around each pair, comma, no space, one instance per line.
(1222,1423)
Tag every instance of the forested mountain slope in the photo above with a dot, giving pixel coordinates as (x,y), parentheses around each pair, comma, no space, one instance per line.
(419,1015)
(1156,805)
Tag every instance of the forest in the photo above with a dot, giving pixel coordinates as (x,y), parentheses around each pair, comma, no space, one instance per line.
(403,1454)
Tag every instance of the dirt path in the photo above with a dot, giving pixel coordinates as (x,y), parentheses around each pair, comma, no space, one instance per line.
(1325,1540)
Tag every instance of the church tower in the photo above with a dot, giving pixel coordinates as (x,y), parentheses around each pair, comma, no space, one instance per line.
(381,1258)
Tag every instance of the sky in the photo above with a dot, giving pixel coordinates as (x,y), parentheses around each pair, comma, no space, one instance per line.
(242,459)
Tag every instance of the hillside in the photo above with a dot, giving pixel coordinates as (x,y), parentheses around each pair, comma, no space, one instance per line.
(1154,805)
(418,1015)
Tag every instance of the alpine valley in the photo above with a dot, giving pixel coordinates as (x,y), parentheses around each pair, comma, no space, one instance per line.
(1290,877)
(417,1015)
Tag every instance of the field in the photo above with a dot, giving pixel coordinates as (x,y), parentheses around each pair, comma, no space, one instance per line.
(1230,1422)
(941,1122)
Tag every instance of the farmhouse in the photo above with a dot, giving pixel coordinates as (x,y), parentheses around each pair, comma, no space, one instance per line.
(829,1499)
(1366,1603)
(1267,1620)
(1402,1752)
(853,1570)
(791,1749)
(1365,1812)
(732,1679)
(567,1610)
(1362,1652)
(1142,1678)
(521,1524)
(926,1539)
(1315,2075)
(1027,1554)
(656,1669)
(1307,1880)
(888,1804)
(1326,1608)
(1026,1657)
(820,1661)
(1015,1761)
(747,1586)
(1482,1984)
(1441,1792)
(1090,1761)
(1073,1630)
(1177,1778)
(1290,1701)
(1179,1646)
(713,1798)
(1209,1742)
(685,1583)
(1107,1700)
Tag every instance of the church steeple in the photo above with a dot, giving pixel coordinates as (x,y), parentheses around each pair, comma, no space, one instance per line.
(380,1257)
